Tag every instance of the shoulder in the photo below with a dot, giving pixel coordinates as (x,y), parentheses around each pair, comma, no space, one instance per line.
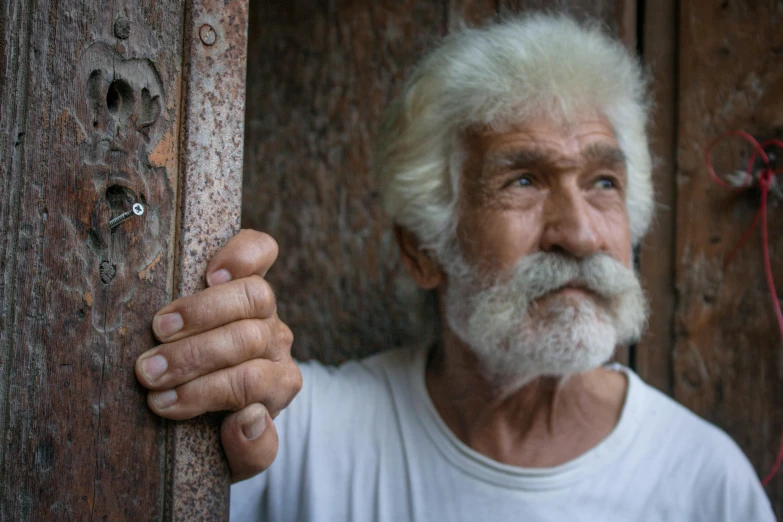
(672,422)
(696,456)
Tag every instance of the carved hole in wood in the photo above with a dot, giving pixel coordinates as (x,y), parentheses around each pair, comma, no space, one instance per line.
(120,199)
(95,242)
(119,100)
(122,97)
(150,112)
(94,95)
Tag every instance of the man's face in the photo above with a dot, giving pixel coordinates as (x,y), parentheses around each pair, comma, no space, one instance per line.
(542,187)
(541,283)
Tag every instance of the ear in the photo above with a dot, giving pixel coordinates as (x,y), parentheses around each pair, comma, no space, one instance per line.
(424,270)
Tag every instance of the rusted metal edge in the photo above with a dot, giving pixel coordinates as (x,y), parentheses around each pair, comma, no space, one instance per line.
(210,191)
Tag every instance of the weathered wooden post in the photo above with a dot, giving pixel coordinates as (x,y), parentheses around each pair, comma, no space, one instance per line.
(106,110)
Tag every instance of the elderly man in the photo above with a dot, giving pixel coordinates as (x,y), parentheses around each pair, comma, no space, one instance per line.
(516,168)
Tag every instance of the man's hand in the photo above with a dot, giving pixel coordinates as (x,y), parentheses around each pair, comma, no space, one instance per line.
(224,348)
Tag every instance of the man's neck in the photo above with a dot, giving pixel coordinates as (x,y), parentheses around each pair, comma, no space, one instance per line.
(546,422)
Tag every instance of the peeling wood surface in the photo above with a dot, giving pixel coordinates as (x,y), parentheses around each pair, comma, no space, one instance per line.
(728,357)
(90,115)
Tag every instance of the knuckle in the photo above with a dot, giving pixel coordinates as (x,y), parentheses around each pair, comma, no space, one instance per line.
(252,335)
(239,337)
(285,336)
(245,386)
(288,386)
(298,381)
(259,298)
(195,311)
(292,380)
(190,356)
(236,389)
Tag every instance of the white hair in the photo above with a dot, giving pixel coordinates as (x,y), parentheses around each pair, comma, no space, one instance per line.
(517,338)
(515,69)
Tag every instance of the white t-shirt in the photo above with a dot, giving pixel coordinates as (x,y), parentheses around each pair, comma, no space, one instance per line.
(363,442)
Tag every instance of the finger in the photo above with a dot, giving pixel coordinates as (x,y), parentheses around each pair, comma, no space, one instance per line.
(169,365)
(248,253)
(246,298)
(271,383)
(250,441)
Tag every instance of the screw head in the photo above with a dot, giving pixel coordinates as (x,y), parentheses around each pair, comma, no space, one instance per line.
(138,209)
(207,34)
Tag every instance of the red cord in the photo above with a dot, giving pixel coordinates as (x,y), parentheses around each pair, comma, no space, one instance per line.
(764,181)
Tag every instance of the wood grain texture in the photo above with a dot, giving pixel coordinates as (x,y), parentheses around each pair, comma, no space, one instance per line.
(84,110)
(321,75)
(90,118)
(470,12)
(618,15)
(728,361)
(656,258)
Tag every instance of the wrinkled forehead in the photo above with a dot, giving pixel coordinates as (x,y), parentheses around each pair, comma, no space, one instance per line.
(534,140)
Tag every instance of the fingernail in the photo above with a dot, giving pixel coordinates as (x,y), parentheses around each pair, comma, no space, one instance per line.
(164,399)
(154,367)
(254,427)
(219,277)
(167,325)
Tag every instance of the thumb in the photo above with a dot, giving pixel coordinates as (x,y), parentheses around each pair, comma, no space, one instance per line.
(250,441)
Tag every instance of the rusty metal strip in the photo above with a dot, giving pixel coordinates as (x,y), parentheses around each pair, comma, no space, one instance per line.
(214,74)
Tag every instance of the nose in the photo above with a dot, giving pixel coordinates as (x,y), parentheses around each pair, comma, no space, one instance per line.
(569,226)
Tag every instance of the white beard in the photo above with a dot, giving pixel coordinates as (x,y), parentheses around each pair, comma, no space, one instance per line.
(517,339)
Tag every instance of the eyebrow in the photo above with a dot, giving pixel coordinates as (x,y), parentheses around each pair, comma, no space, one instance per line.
(605,154)
(596,154)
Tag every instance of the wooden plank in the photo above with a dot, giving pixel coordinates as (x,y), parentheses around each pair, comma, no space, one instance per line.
(728,361)
(470,12)
(324,74)
(89,126)
(618,15)
(656,259)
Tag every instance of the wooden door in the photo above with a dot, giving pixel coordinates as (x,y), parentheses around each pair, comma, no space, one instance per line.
(713,342)
(108,109)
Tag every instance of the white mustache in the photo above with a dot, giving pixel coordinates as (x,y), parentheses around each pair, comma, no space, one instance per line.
(543,272)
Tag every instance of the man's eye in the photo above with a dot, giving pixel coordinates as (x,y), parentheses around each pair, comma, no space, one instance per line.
(605,183)
(524,181)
